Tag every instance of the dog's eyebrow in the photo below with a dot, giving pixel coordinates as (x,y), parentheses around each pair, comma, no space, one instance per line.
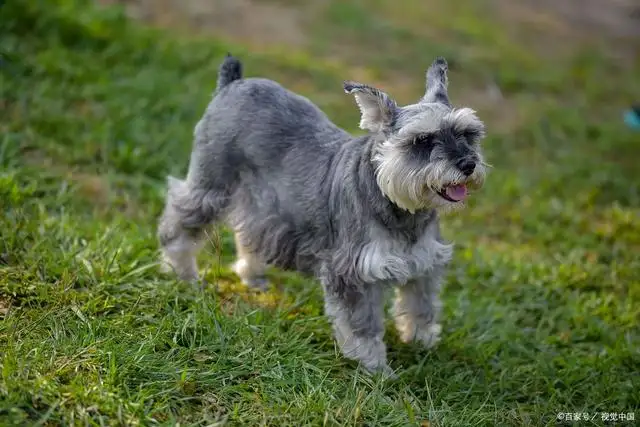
(465,119)
(471,131)
(425,135)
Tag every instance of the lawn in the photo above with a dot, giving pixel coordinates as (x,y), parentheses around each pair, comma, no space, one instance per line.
(542,301)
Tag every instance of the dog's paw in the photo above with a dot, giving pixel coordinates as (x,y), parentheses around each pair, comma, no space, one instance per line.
(187,275)
(184,268)
(248,278)
(165,267)
(429,336)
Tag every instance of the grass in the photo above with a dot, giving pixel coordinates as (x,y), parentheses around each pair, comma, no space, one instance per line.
(542,302)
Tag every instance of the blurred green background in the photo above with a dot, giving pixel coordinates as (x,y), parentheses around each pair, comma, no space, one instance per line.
(98,104)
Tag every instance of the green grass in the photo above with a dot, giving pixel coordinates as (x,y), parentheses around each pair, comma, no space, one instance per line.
(542,302)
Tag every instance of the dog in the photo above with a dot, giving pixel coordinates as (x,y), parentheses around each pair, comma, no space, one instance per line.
(359,213)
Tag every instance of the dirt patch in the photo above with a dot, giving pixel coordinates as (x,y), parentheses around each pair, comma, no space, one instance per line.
(614,18)
(252,21)
(551,26)
(263,22)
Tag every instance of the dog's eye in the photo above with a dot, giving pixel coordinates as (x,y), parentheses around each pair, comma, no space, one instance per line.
(470,135)
(423,139)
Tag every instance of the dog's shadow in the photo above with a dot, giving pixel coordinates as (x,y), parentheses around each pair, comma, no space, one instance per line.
(413,365)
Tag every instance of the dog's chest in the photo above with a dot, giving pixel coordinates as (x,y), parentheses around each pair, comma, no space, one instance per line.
(384,258)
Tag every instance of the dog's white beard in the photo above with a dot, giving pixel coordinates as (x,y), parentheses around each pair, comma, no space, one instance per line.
(415,189)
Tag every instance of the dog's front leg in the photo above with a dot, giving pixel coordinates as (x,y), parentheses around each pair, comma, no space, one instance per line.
(417,307)
(357,314)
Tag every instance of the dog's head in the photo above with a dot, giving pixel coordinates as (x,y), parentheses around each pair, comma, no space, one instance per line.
(428,154)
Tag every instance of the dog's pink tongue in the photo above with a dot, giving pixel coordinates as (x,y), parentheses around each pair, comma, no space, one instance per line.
(457,192)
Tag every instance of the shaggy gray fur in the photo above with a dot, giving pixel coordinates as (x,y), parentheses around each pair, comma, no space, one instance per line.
(358,213)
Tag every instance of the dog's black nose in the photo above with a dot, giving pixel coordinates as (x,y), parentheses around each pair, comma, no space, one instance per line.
(466,166)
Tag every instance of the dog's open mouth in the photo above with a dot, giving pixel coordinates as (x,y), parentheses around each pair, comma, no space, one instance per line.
(454,193)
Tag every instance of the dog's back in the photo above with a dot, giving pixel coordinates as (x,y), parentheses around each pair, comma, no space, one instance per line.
(269,150)
(256,123)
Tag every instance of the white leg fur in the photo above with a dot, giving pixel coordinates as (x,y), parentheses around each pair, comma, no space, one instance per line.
(417,309)
(249,267)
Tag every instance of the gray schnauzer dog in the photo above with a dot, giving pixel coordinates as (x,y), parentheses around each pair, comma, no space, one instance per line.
(358,213)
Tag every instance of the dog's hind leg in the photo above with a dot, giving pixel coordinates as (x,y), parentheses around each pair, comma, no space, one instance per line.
(417,307)
(181,230)
(248,266)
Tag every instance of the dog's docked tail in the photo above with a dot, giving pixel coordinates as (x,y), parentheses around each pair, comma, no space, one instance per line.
(230,70)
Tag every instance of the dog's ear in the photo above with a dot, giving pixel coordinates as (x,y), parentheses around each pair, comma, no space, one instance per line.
(437,82)
(377,108)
